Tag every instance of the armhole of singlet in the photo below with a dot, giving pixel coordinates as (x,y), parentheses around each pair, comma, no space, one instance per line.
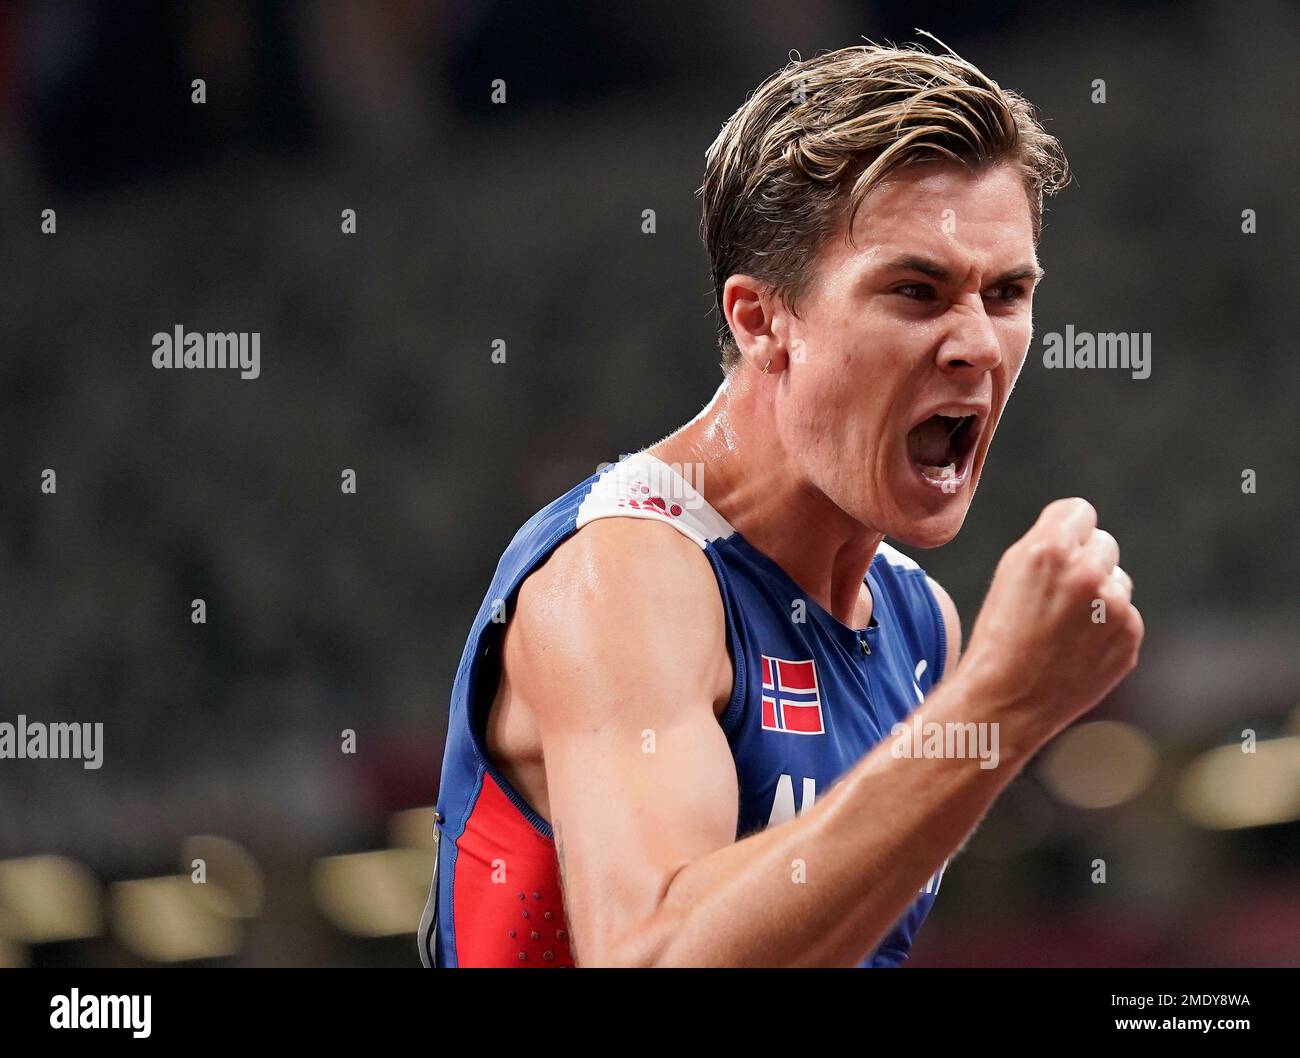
(940,629)
(907,569)
(481,693)
(643,486)
(488,662)
(735,647)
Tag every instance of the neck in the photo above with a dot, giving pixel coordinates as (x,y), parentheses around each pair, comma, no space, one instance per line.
(757,486)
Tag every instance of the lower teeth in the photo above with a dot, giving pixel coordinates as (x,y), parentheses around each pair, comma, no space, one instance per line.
(939,473)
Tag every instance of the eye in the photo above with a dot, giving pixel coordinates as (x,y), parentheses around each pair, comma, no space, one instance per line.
(916,291)
(1010,292)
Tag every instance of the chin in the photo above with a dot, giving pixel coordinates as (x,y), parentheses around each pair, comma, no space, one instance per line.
(926,533)
(915,526)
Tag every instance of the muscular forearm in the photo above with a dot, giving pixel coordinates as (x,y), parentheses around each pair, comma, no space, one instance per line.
(823,889)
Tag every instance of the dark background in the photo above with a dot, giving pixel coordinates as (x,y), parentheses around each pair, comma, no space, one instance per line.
(522,221)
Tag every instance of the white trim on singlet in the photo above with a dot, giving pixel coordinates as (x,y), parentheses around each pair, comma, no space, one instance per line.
(626,488)
(642,486)
(895,557)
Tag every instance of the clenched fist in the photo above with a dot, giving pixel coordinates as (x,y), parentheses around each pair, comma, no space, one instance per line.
(1058,628)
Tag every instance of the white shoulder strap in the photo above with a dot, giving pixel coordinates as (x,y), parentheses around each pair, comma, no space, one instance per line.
(642,486)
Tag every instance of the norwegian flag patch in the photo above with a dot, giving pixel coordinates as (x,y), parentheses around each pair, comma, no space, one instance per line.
(791,699)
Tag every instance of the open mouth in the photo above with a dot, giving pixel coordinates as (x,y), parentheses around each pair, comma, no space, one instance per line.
(941,446)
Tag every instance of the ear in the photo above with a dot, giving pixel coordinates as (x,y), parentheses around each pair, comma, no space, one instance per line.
(754,312)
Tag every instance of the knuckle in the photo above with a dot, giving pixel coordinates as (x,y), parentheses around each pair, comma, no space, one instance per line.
(1113,598)
(1049,553)
(1089,575)
(1052,514)
(1076,507)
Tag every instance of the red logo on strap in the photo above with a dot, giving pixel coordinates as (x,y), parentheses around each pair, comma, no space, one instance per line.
(641,500)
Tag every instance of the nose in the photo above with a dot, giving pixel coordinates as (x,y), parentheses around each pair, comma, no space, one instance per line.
(971,342)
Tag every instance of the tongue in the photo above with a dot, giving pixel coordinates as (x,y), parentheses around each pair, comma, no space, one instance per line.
(927,444)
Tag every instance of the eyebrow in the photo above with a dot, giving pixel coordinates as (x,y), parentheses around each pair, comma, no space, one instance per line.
(936,271)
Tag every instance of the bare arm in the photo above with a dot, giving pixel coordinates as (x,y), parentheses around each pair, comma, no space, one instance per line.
(643,788)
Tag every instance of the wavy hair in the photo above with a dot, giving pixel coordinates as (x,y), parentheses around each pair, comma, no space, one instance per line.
(795,162)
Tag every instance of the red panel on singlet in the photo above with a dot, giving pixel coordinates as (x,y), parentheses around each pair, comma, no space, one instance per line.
(507,896)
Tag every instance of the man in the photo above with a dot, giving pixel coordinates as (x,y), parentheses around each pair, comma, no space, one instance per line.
(671,737)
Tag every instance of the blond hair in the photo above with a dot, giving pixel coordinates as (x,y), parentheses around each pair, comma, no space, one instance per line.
(776,177)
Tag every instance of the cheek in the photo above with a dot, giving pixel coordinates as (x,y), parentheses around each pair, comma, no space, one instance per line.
(1022,333)
(1015,339)
(816,413)
(1016,357)
(809,400)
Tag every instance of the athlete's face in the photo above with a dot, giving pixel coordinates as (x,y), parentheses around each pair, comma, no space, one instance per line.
(907,346)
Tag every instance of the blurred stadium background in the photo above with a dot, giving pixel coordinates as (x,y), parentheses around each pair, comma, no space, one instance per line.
(523,222)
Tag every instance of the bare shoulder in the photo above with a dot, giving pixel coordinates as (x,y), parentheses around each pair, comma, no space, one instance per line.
(622,599)
(951,622)
(621,655)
